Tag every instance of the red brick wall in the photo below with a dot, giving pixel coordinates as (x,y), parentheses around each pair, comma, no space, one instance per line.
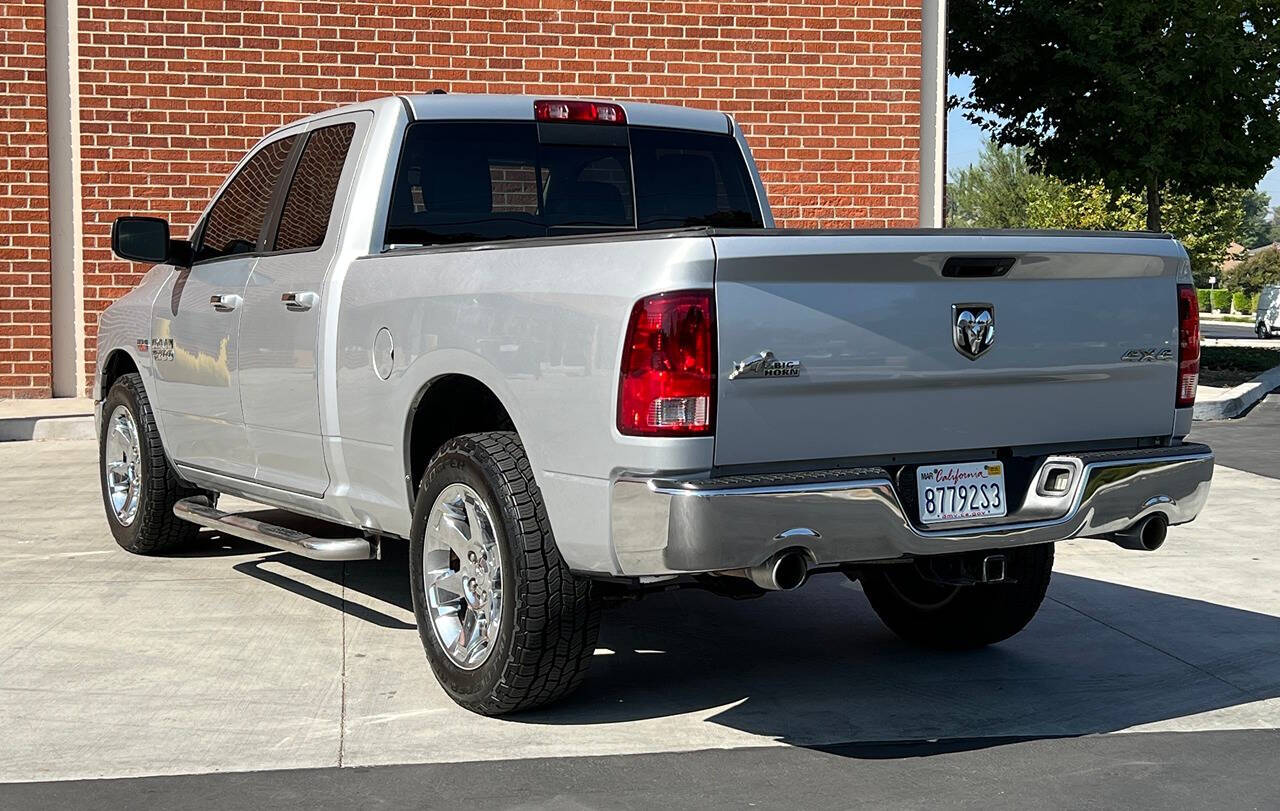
(25,340)
(174,91)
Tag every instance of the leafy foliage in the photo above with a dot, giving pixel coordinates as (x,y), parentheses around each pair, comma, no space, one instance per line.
(1001,191)
(1253,273)
(1240,302)
(1138,96)
(1221,300)
(1233,365)
(1256,231)
(1202,299)
(993,193)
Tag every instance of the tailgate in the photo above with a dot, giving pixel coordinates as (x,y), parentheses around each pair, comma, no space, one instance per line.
(871,319)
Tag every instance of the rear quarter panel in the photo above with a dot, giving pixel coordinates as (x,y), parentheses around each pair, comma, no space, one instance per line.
(542,327)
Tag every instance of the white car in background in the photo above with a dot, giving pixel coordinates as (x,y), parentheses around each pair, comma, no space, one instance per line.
(1268,311)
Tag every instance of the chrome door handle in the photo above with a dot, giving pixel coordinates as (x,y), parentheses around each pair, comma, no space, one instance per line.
(225,302)
(299,302)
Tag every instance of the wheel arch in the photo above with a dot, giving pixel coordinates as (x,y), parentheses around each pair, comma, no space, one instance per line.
(444,407)
(117,363)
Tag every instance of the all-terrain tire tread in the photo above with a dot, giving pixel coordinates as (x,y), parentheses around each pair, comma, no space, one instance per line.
(557,618)
(156,528)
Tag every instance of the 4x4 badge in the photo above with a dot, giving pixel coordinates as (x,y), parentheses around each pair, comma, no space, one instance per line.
(973,328)
(160,348)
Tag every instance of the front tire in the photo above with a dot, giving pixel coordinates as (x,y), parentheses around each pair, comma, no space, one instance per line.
(505,625)
(1262,331)
(959,617)
(139,487)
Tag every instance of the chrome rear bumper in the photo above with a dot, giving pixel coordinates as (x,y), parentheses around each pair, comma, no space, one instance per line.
(671,526)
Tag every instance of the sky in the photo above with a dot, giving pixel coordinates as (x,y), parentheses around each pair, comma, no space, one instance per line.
(964,141)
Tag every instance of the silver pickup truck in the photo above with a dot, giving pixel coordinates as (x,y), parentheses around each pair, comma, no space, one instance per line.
(558,346)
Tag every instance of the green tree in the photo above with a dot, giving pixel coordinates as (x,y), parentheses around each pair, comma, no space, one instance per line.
(1181,95)
(1001,191)
(1262,268)
(993,193)
(1256,231)
(1205,226)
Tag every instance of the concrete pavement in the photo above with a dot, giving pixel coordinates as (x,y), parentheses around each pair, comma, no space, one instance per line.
(232,657)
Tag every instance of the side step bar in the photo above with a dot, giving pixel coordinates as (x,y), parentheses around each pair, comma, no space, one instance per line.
(197,511)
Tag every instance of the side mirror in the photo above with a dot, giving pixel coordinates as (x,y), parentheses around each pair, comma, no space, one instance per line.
(146,239)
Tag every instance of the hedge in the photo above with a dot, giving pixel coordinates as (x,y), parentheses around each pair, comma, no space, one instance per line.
(1221,300)
(1202,296)
(1240,302)
(1253,302)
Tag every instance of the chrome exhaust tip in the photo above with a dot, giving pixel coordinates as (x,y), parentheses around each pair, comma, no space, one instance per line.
(785,571)
(1145,536)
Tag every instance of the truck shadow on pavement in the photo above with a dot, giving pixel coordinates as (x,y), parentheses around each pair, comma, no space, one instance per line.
(815,667)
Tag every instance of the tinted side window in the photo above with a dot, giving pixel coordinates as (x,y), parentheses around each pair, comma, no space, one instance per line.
(236,219)
(311,191)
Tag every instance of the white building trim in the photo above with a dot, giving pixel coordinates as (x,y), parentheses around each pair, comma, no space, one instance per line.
(933,112)
(66,232)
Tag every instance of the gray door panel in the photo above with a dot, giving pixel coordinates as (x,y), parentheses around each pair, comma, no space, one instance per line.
(285,301)
(196,386)
(279,373)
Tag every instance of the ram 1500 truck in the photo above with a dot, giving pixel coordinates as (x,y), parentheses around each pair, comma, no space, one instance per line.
(558,346)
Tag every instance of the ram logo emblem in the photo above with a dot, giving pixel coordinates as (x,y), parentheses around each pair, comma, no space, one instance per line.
(973,328)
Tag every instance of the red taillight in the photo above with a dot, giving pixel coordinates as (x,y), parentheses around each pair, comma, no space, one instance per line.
(668,366)
(592,112)
(1188,346)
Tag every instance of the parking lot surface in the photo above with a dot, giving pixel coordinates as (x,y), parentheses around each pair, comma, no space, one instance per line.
(231,657)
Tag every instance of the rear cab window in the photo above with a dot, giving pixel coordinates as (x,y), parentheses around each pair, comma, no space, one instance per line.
(488,181)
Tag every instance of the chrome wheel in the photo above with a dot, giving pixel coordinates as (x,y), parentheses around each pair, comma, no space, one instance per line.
(462,574)
(122,465)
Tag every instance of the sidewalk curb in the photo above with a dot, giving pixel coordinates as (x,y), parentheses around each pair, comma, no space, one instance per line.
(1234,402)
(17,429)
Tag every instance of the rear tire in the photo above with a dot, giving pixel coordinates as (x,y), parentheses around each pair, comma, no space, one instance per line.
(959,617)
(139,486)
(480,532)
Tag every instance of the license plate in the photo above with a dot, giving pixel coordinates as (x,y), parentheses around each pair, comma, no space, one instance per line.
(961,492)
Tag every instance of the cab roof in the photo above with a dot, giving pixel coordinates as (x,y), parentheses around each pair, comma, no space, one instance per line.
(429,106)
